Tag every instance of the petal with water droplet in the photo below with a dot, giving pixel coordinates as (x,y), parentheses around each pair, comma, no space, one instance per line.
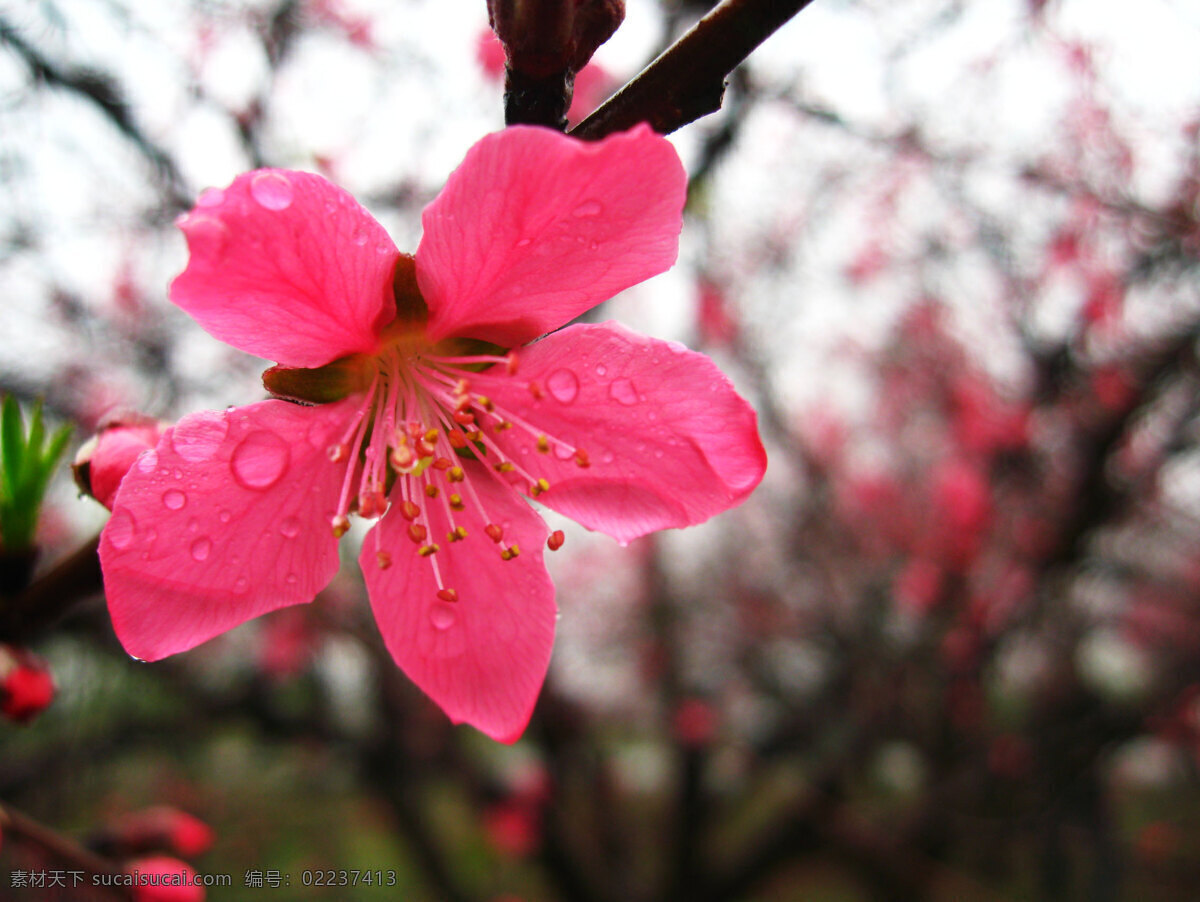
(222,556)
(483,656)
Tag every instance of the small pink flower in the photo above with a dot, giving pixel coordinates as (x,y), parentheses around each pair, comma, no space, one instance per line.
(435,427)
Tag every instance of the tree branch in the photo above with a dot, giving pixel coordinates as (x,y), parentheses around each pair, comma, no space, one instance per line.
(688,80)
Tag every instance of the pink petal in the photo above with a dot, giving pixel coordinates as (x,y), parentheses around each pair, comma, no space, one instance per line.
(227,518)
(482,658)
(534,228)
(668,441)
(287,266)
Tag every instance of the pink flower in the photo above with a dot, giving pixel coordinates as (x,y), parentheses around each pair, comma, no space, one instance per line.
(433,427)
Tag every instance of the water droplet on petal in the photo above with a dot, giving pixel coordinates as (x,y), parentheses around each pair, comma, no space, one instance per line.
(197,437)
(205,235)
(677,347)
(174,499)
(361,238)
(525,242)
(224,516)
(200,548)
(272,190)
(601,369)
(241,585)
(121,529)
(290,527)
(563,385)
(292,579)
(210,197)
(260,460)
(623,392)
(147,461)
(607,457)
(443,615)
(589,208)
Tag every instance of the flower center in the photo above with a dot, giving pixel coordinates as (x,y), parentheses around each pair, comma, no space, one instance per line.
(427,410)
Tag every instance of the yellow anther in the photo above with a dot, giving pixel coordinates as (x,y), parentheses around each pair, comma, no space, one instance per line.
(542,485)
(456,502)
(431,490)
(457,534)
(506,466)
(509,553)
(426,550)
(502,425)
(474,435)
(456,474)
(431,435)
(543,444)
(486,403)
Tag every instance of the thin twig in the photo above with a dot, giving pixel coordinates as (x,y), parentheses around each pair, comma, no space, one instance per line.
(688,80)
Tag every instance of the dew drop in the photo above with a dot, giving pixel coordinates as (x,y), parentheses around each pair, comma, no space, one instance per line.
(174,499)
(259,460)
(361,238)
(201,548)
(290,527)
(563,385)
(564,451)
(601,370)
(272,190)
(224,516)
(196,438)
(241,585)
(443,615)
(608,457)
(589,208)
(623,392)
(210,197)
(147,461)
(120,529)
(677,347)
(658,452)
(291,579)
(525,242)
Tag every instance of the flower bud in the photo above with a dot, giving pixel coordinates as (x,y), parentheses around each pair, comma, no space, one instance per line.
(103,460)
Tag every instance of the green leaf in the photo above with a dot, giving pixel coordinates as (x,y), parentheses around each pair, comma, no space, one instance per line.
(28,457)
(12,445)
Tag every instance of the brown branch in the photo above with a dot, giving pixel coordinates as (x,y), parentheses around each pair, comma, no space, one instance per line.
(73,579)
(21,827)
(688,80)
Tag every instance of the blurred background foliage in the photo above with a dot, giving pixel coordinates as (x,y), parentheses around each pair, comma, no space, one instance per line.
(951,647)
